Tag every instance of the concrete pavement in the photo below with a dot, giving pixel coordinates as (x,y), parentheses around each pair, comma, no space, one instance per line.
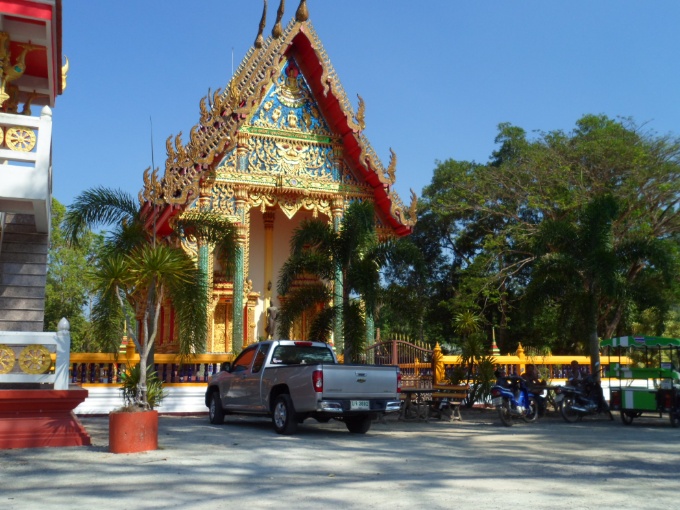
(476,463)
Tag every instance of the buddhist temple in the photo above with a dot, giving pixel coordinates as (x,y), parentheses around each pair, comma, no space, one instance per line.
(280,144)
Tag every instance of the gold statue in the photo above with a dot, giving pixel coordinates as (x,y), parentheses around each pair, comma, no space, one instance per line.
(11,71)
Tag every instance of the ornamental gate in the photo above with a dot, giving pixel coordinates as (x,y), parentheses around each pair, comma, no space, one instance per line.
(413,359)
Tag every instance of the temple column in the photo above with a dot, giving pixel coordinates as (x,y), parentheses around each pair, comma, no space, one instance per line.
(239,276)
(370,328)
(338,333)
(270,285)
(204,263)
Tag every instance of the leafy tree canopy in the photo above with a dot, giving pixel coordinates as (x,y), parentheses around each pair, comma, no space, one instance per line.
(497,230)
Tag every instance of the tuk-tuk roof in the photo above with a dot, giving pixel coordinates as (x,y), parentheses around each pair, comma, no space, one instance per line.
(640,341)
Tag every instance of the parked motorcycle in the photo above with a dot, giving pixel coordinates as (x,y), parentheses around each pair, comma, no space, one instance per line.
(579,400)
(513,400)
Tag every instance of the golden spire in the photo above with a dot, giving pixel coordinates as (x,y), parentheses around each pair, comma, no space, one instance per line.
(277,31)
(302,14)
(259,40)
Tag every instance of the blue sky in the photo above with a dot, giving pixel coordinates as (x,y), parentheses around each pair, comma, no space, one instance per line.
(437,76)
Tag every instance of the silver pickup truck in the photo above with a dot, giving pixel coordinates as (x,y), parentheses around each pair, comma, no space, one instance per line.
(291,381)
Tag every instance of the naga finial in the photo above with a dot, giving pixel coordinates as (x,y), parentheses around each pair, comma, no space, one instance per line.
(277,31)
(234,100)
(361,114)
(413,208)
(392,169)
(259,40)
(302,14)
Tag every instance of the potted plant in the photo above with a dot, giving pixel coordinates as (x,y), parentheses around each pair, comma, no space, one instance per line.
(130,432)
(134,274)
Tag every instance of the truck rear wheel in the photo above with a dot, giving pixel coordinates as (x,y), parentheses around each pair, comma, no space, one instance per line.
(283,418)
(215,411)
(358,424)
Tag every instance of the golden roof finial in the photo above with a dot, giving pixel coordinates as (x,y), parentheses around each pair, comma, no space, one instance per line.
(361,114)
(413,208)
(302,14)
(277,31)
(259,40)
(392,169)
(64,72)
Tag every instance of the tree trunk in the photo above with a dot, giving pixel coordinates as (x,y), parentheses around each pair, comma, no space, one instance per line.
(593,340)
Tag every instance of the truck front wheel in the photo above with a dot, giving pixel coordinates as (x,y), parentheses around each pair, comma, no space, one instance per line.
(358,424)
(284,419)
(215,412)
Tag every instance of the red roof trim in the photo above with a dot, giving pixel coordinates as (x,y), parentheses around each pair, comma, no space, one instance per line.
(306,58)
(26,9)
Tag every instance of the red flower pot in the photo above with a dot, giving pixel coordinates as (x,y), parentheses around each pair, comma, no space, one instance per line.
(132,432)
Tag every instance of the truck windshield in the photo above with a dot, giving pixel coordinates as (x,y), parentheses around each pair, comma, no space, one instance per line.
(297,355)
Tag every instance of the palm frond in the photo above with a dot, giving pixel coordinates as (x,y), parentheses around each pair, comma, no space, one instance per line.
(298,301)
(354,330)
(323,324)
(98,207)
(306,262)
(314,235)
(213,230)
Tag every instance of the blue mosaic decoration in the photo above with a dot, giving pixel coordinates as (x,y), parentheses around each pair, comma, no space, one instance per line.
(290,106)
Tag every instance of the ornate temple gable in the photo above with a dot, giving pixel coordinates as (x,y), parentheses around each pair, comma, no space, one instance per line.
(289,108)
(342,163)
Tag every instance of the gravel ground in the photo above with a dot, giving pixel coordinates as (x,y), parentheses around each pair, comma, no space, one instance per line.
(476,463)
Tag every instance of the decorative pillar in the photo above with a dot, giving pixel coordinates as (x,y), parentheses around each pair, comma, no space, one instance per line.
(370,328)
(237,332)
(203,259)
(522,357)
(270,285)
(438,373)
(495,351)
(338,333)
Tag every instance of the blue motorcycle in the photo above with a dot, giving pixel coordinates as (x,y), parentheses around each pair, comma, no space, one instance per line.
(513,400)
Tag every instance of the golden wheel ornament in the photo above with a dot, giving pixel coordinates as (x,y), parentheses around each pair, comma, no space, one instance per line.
(35,359)
(20,139)
(6,359)
(2,136)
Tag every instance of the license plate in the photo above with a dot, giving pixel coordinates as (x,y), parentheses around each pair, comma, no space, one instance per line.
(359,405)
(559,398)
(497,401)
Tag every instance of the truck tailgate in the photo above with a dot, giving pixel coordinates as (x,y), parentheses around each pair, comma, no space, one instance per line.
(359,381)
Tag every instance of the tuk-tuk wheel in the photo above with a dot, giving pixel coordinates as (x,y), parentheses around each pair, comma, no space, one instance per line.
(627,417)
(675,418)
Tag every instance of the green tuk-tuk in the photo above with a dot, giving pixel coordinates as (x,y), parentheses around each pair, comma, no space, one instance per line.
(646,378)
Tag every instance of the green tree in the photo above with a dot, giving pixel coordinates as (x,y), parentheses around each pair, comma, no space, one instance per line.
(580,266)
(66,291)
(418,284)
(491,214)
(136,271)
(317,249)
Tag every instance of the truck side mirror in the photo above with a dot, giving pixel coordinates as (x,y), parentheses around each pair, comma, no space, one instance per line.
(225,366)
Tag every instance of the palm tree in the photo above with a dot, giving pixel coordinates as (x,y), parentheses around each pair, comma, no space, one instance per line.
(580,267)
(353,257)
(136,273)
(468,325)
